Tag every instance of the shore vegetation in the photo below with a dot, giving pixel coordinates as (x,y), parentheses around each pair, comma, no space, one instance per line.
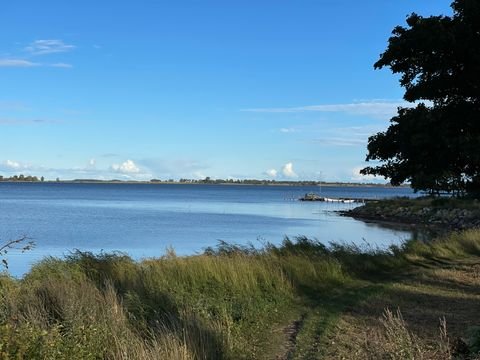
(299,300)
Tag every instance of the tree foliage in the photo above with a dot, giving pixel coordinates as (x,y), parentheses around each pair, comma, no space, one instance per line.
(435,144)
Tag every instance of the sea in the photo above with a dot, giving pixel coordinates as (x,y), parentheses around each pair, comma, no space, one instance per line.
(143,220)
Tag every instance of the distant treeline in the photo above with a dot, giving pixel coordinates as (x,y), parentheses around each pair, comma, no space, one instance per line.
(21,177)
(207,180)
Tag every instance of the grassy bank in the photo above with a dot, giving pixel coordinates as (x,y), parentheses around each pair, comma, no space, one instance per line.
(298,300)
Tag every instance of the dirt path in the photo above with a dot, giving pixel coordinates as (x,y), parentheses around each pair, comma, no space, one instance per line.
(290,333)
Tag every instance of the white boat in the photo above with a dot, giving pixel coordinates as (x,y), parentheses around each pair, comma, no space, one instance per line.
(331,200)
(345,201)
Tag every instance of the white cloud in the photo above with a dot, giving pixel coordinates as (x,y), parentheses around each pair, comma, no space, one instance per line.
(288,130)
(272,173)
(11,164)
(376,108)
(39,47)
(176,167)
(338,141)
(26,63)
(347,136)
(17,63)
(62,65)
(43,47)
(126,170)
(288,172)
(199,175)
(127,167)
(356,176)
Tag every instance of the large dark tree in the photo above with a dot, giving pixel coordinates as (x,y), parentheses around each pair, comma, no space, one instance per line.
(435,144)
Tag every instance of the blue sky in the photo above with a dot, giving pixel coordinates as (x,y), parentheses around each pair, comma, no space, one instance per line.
(170,89)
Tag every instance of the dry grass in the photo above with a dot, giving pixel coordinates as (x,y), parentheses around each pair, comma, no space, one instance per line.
(232,303)
(432,298)
(394,341)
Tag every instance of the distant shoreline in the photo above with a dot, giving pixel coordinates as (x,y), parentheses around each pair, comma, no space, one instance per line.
(260,183)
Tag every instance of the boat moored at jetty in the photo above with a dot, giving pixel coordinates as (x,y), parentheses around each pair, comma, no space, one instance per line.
(316,197)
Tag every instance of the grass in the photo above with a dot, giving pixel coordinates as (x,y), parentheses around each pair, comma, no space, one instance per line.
(240,303)
(430,314)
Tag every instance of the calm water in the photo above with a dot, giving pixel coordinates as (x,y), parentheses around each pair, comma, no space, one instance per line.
(143,220)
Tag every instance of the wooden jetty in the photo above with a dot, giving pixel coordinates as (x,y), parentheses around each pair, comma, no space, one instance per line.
(316,197)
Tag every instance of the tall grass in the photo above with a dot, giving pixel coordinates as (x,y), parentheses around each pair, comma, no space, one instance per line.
(451,246)
(224,304)
(396,342)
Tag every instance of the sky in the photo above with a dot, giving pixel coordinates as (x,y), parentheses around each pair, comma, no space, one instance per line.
(135,90)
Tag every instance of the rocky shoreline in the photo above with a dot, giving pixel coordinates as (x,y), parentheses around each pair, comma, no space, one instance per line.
(417,212)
